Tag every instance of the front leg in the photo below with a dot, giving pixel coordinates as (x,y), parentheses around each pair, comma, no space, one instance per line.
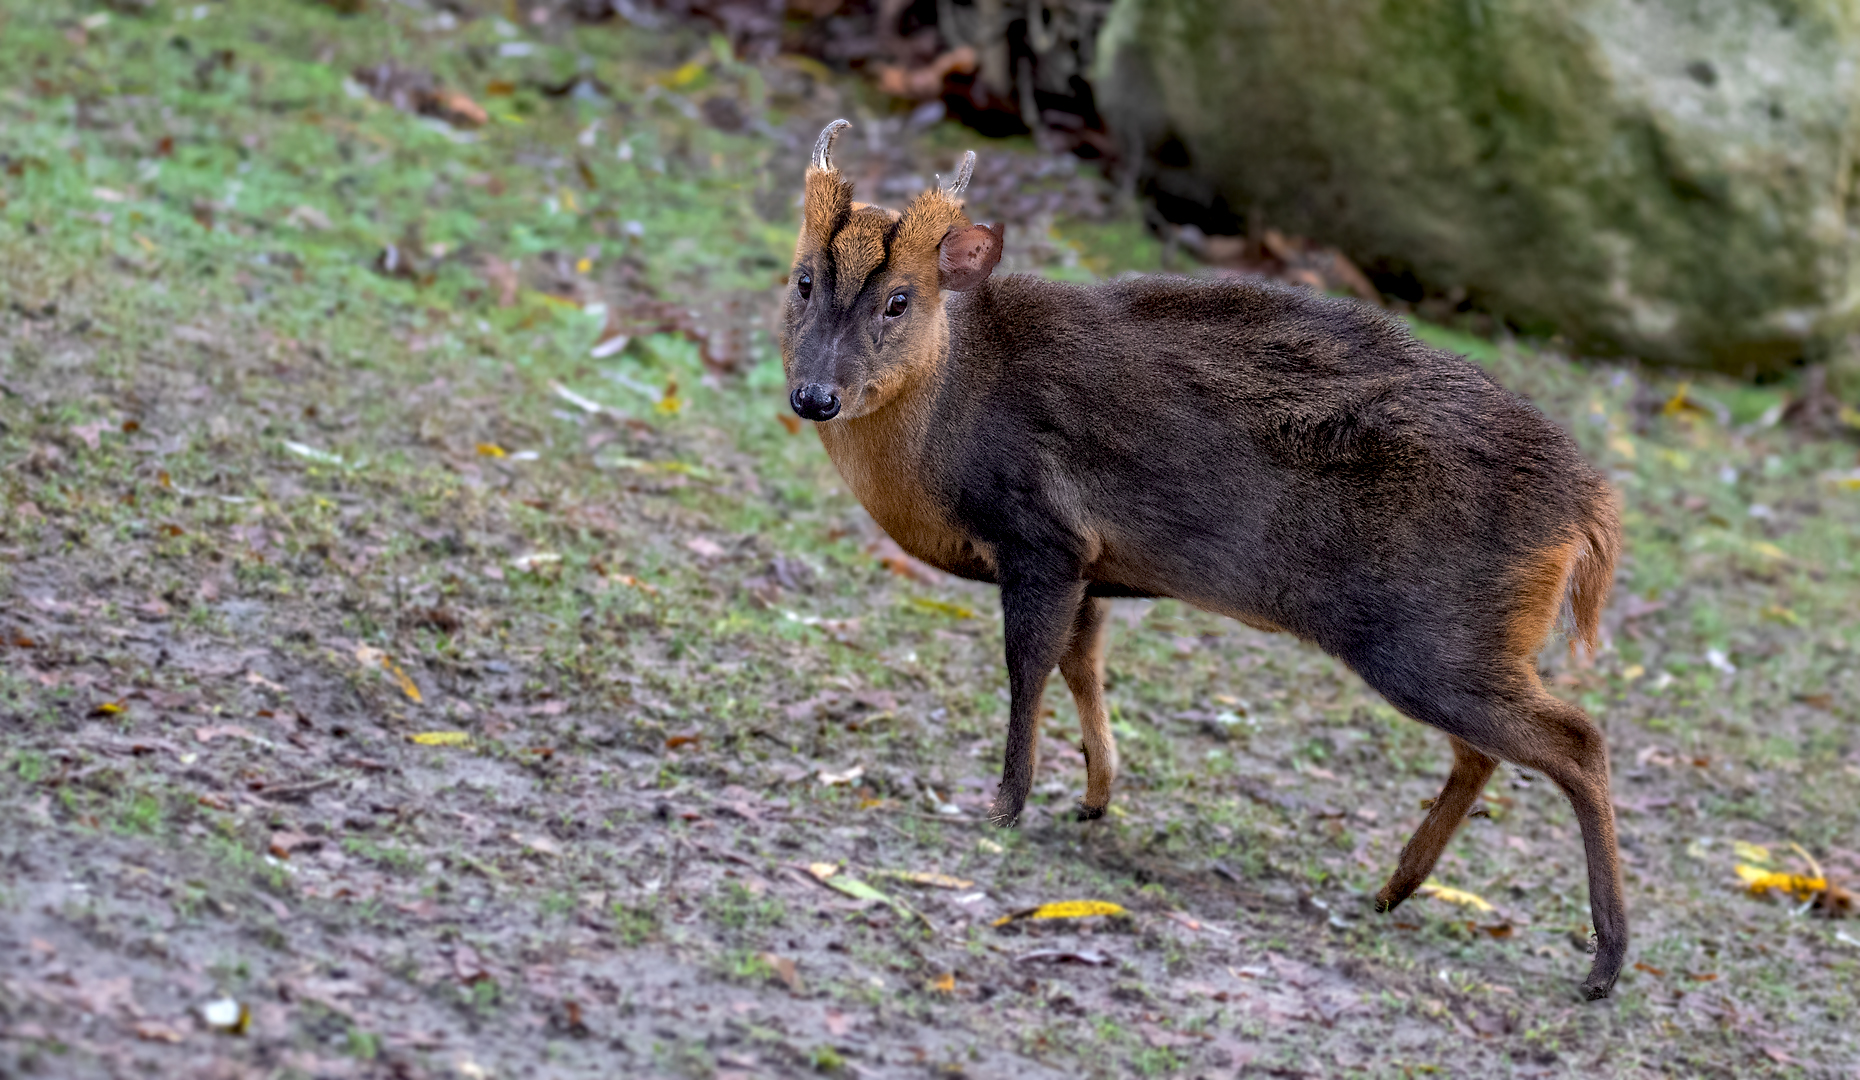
(1039,614)
(1083,666)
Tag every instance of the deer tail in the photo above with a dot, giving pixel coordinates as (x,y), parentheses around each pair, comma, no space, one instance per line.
(1592,572)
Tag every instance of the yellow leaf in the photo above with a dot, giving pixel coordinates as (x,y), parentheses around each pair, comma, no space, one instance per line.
(926,877)
(1065,909)
(491,449)
(582,266)
(1680,402)
(1455,896)
(1620,444)
(942,607)
(823,870)
(406,685)
(1778,613)
(1799,886)
(944,984)
(630,580)
(568,200)
(1633,671)
(688,74)
(442,738)
(1769,550)
(1755,853)
(108,708)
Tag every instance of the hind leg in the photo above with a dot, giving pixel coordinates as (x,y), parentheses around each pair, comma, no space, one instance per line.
(1082,664)
(1559,740)
(1471,769)
(1498,710)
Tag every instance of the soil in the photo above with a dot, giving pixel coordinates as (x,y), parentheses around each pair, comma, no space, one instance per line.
(459,693)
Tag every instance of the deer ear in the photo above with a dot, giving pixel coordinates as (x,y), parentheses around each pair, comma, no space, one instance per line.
(968,255)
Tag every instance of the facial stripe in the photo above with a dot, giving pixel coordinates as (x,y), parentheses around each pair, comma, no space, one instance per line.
(859,250)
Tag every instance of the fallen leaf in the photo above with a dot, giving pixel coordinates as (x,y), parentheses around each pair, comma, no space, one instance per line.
(785,969)
(1769,551)
(1088,957)
(208,734)
(150,1031)
(458,109)
(542,845)
(283,843)
(828,874)
(579,402)
(467,965)
(943,607)
(1065,909)
(311,453)
(1194,924)
(491,450)
(858,890)
(1761,881)
(609,346)
(90,433)
(1456,896)
(704,547)
(258,680)
(308,217)
(634,583)
(944,983)
(535,560)
(441,738)
(926,877)
(367,656)
(106,708)
(832,779)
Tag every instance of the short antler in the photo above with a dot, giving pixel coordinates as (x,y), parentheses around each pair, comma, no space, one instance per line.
(963,172)
(823,146)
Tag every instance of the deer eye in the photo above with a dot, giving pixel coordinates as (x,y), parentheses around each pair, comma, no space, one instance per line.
(895,306)
(804,284)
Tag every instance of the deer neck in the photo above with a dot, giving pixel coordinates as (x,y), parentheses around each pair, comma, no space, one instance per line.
(882,457)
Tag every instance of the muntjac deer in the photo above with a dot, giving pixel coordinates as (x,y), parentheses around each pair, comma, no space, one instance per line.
(1300,463)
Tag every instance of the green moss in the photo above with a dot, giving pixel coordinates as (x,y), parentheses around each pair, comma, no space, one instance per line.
(1556,160)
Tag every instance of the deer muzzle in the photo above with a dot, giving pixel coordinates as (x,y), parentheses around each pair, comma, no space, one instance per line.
(815,401)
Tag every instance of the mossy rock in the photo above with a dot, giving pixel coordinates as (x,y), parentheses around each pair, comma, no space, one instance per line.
(1662,178)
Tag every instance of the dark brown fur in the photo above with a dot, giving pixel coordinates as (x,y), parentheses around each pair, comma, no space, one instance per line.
(1297,462)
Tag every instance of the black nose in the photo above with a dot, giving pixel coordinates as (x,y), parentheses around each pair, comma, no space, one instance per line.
(815,402)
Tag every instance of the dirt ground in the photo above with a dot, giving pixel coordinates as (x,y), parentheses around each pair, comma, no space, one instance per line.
(429,648)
